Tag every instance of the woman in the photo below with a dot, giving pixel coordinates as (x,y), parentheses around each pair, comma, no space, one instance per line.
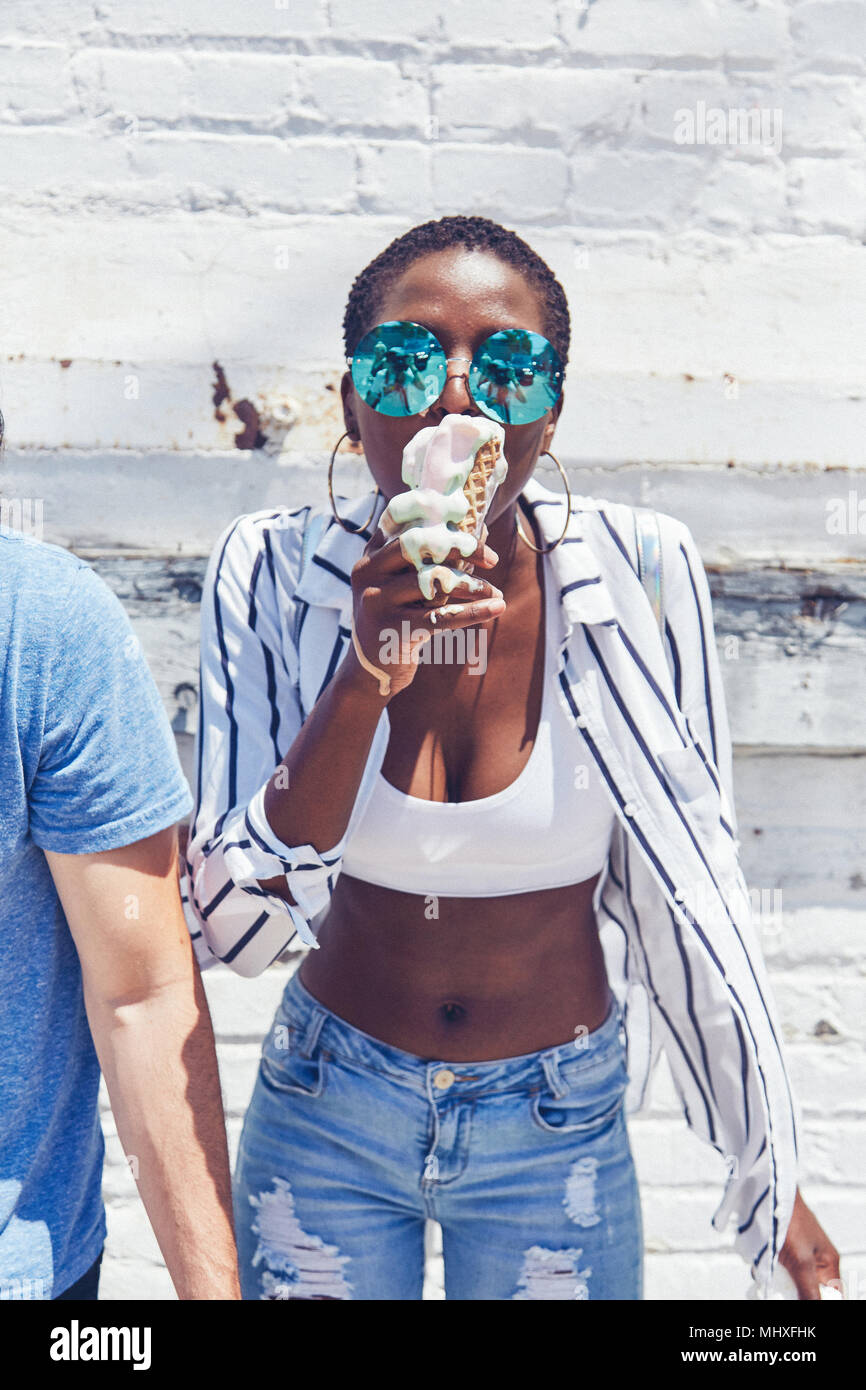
(475,858)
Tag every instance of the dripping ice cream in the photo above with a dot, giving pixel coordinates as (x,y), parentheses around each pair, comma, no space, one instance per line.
(452,471)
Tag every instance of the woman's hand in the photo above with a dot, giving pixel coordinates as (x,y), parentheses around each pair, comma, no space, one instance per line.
(809,1256)
(386,596)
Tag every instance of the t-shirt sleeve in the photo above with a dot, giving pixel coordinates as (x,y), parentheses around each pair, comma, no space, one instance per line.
(108,771)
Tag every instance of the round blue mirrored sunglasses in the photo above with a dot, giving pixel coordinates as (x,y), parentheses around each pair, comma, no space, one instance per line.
(399,368)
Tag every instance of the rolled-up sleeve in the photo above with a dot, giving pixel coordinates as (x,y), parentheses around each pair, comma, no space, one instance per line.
(249,716)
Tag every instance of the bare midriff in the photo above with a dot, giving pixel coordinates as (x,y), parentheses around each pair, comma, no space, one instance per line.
(488,978)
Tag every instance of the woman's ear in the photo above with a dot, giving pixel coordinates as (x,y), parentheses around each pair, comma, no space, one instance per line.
(347,392)
(550,427)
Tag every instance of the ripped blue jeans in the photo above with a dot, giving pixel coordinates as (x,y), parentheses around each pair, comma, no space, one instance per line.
(349,1145)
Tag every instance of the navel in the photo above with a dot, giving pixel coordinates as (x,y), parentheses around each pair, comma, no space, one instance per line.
(452,1012)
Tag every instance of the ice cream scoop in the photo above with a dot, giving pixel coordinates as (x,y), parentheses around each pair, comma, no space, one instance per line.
(453,470)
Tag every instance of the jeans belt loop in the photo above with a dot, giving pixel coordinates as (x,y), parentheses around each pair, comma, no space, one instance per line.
(313,1029)
(550,1063)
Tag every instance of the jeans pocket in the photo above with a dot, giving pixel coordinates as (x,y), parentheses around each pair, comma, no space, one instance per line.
(287,1069)
(587,1108)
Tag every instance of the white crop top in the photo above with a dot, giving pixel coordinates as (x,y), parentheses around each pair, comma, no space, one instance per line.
(549,828)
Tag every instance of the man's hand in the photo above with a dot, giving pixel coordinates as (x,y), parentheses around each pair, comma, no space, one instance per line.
(152,1032)
(809,1256)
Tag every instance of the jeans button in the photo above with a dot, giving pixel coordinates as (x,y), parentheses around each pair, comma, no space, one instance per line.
(443,1078)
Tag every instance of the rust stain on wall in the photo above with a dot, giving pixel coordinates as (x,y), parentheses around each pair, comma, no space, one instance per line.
(251,436)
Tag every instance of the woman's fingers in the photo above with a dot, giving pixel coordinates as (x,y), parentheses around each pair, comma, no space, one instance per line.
(455,615)
(387,553)
(402,588)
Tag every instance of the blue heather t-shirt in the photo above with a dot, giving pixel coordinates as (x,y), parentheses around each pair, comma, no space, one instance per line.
(87,763)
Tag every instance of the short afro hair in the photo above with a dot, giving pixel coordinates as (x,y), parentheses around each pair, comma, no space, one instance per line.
(476,234)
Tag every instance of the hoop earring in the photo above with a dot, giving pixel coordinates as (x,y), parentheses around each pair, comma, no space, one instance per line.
(545,549)
(347,526)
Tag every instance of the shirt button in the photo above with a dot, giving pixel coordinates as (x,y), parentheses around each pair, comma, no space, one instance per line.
(679,896)
(630,808)
(581,721)
(444,1078)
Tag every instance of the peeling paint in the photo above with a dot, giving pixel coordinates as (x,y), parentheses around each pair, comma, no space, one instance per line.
(250,437)
(579,1199)
(221,389)
(297,1265)
(553,1274)
(266,420)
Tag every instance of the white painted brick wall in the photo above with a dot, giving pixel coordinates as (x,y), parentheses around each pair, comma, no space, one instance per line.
(190,180)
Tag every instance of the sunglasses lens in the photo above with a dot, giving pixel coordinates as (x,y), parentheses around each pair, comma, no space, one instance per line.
(515,376)
(398,368)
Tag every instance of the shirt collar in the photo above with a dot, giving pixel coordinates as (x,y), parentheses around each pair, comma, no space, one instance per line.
(584,594)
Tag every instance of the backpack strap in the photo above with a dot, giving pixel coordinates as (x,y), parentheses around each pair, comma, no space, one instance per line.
(649,559)
(314,529)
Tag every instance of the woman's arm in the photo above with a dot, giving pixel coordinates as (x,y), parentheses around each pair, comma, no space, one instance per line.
(268,829)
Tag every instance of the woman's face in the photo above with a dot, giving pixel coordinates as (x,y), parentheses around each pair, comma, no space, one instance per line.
(461,296)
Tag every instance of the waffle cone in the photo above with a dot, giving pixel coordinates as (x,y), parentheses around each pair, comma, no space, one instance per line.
(475,487)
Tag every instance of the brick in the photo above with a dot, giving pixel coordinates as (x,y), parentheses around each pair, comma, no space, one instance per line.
(268,19)
(824,113)
(662,95)
(677,29)
(478,102)
(507,22)
(513,184)
(834,29)
(170,87)
(834,1152)
(806,999)
(61,161)
(742,195)
(827,1078)
(395,177)
(44,18)
(295,175)
(361,93)
(34,82)
(410,22)
(631,188)
(827,195)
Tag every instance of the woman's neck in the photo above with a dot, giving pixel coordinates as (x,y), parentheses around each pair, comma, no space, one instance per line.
(516,560)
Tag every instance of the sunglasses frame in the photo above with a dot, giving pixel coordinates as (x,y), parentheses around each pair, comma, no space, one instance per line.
(484,407)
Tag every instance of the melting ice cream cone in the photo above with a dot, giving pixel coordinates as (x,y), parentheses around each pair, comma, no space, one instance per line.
(453,471)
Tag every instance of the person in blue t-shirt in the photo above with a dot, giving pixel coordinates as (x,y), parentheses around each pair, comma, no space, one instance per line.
(96,966)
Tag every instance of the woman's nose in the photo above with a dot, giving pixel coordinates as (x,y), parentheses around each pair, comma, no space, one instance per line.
(455,397)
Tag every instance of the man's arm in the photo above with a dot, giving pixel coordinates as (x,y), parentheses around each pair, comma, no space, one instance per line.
(152,1031)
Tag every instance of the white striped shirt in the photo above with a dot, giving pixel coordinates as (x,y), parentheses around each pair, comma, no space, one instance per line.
(672,905)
